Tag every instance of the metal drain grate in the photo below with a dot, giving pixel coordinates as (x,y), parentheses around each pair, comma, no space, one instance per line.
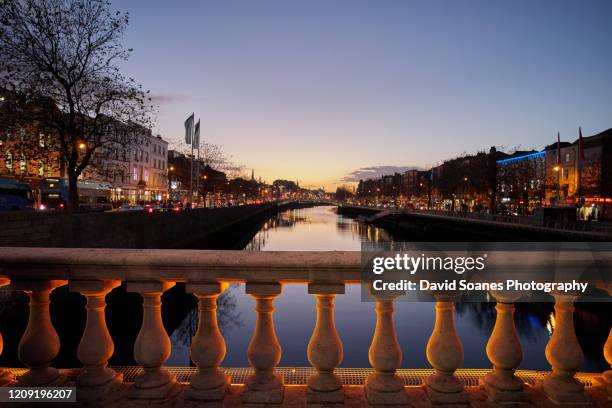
(349,376)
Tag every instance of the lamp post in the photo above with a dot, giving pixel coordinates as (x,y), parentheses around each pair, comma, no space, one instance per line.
(557,169)
(170,170)
(466,190)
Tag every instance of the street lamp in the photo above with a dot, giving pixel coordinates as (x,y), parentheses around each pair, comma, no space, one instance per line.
(557,169)
(466,191)
(170,170)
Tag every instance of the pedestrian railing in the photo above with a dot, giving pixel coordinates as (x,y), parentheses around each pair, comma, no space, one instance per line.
(601,228)
(96,272)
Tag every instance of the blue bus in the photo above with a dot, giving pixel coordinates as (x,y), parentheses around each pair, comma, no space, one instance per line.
(93,195)
(15,196)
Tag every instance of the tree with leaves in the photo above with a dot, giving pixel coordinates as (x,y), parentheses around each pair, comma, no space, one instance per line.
(59,57)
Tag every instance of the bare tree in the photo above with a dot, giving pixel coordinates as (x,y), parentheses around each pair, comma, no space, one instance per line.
(61,56)
(213,156)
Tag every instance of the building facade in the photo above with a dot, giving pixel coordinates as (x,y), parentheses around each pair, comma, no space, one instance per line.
(521,182)
(138,171)
(29,154)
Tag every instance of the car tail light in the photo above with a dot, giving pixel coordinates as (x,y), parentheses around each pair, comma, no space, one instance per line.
(149,210)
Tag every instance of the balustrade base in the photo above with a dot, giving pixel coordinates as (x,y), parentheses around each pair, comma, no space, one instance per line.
(444,399)
(386,398)
(324,387)
(445,389)
(513,390)
(269,392)
(275,396)
(99,394)
(42,377)
(194,393)
(165,392)
(564,390)
(385,388)
(501,396)
(314,397)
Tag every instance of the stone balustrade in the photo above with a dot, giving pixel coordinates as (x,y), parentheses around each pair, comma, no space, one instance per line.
(94,273)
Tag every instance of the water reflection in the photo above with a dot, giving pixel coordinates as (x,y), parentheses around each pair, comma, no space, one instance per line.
(314,229)
(228,318)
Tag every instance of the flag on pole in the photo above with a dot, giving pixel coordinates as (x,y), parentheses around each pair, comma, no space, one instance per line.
(196,135)
(189,129)
(558,148)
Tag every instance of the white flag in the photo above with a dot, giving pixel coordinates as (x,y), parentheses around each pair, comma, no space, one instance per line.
(196,135)
(189,129)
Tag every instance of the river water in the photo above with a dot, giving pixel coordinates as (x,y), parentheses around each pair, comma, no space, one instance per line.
(311,229)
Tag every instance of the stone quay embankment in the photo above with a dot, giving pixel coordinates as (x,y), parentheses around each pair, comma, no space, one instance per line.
(129,229)
(452,226)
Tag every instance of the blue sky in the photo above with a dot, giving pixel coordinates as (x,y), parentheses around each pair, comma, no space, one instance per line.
(314,90)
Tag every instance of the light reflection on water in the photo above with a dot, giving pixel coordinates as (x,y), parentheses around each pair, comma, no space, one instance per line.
(320,229)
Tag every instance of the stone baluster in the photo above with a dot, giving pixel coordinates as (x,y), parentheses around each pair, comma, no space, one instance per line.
(383,386)
(152,347)
(445,354)
(505,353)
(40,343)
(325,348)
(564,354)
(207,346)
(605,381)
(607,375)
(266,384)
(97,382)
(6,378)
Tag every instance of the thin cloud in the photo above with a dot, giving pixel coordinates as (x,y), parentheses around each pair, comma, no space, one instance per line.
(374,172)
(164,99)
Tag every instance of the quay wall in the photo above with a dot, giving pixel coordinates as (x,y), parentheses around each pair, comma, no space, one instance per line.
(127,229)
(423,226)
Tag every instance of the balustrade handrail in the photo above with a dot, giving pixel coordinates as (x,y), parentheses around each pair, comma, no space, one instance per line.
(172,265)
(180,265)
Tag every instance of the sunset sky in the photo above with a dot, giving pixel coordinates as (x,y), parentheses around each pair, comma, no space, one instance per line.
(316,90)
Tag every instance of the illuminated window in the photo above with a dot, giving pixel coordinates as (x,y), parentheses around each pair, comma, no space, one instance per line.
(135,174)
(41,168)
(146,175)
(41,140)
(22,164)
(8,161)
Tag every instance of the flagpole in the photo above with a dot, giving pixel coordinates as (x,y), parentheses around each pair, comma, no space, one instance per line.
(558,168)
(191,175)
(198,171)
(189,139)
(580,159)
